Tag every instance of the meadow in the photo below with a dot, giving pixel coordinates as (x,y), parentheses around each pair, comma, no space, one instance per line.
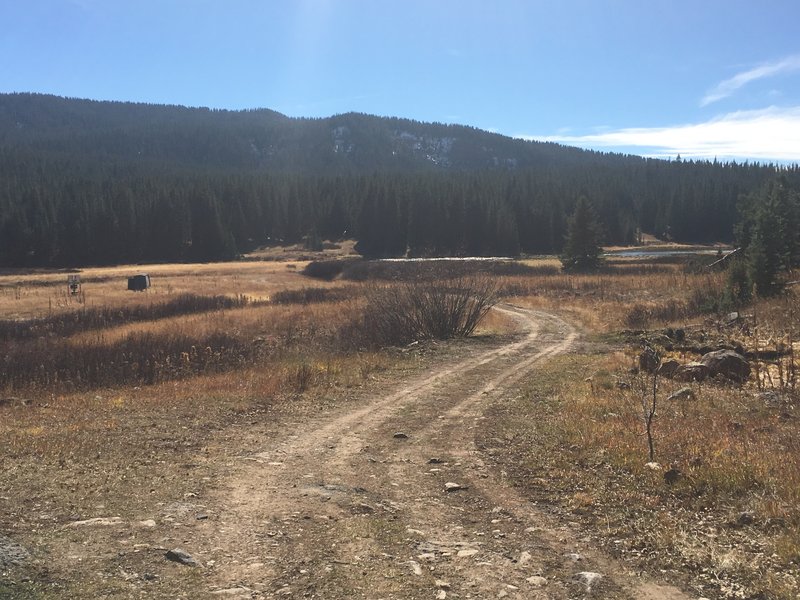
(106,396)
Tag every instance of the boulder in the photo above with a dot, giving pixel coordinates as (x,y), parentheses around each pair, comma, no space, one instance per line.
(660,339)
(672,476)
(693,371)
(649,360)
(728,364)
(668,368)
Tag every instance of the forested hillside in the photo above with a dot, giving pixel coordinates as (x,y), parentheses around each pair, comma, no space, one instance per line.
(85,182)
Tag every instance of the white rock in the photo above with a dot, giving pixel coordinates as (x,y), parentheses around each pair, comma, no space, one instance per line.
(452,487)
(587,578)
(467,552)
(148,523)
(524,557)
(537,581)
(415,567)
(442,585)
(441,595)
(97,521)
(682,394)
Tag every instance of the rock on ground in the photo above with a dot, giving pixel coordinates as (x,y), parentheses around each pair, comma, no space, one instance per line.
(728,364)
(181,556)
(685,393)
(693,371)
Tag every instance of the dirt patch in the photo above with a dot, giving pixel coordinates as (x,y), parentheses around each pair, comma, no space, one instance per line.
(11,553)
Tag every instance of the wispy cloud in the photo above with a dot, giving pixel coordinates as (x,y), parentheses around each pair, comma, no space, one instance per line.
(729,86)
(771,134)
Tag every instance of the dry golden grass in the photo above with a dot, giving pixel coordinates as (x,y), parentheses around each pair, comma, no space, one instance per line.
(605,301)
(575,443)
(263,320)
(578,435)
(299,252)
(737,456)
(496,323)
(731,517)
(58,426)
(26,295)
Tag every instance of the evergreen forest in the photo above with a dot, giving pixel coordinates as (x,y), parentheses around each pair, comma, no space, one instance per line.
(87,183)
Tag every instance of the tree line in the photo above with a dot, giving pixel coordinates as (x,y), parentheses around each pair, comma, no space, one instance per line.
(85,183)
(58,213)
(768,232)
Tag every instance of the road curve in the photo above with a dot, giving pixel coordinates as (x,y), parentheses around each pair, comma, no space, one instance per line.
(355,503)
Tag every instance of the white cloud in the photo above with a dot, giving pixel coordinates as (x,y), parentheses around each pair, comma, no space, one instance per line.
(729,86)
(771,134)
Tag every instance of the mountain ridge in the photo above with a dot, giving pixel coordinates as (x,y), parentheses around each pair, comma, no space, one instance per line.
(350,142)
(96,182)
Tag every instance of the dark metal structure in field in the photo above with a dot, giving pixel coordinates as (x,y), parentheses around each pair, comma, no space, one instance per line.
(74,284)
(139,283)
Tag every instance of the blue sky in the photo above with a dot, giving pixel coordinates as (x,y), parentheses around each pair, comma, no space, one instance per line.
(700,78)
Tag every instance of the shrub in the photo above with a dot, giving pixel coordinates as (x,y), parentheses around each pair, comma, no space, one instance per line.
(324,269)
(641,316)
(413,270)
(739,287)
(401,313)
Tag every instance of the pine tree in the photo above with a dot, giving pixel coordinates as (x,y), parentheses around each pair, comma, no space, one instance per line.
(582,248)
(769,230)
(764,253)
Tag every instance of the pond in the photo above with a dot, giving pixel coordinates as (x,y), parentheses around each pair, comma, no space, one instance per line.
(656,252)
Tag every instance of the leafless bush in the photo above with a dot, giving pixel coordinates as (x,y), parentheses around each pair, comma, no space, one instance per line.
(640,316)
(404,312)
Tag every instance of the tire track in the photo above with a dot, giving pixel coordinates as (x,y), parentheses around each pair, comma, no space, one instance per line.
(326,482)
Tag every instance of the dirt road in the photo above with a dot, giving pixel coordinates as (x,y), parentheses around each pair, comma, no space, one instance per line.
(391,499)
